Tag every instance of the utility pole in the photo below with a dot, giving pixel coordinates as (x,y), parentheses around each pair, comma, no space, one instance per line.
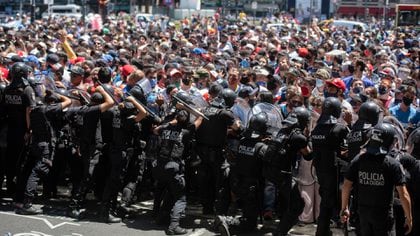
(33,6)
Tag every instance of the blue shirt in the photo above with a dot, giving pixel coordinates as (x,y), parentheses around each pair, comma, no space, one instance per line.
(402,116)
(366,82)
(416,118)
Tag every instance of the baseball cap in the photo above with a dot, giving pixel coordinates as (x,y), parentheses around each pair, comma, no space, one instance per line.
(52,58)
(77,70)
(126,70)
(338,83)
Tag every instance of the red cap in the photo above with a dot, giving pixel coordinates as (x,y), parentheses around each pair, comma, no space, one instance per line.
(303,52)
(126,70)
(5,72)
(77,60)
(338,83)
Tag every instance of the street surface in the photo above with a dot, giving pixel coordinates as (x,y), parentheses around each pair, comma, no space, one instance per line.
(54,222)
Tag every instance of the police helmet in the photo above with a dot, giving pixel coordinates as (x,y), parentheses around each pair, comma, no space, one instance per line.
(97,98)
(258,123)
(183,96)
(369,111)
(381,139)
(182,117)
(229,97)
(413,143)
(138,93)
(331,111)
(19,71)
(303,115)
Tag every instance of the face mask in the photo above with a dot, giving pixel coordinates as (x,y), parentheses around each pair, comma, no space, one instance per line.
(177,83)
(251,102)
(335,74)
(153,82)
(382,90)
(305,91)
(186,81)
(261,84)
(407,101)
(327,94)
(319,83)
(357,90)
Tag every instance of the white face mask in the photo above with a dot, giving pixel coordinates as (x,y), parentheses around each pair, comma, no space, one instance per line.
(319,83)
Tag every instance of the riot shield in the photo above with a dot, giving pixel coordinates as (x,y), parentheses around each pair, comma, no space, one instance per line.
(399,130)
(274,116)
(241,110)
(413,141)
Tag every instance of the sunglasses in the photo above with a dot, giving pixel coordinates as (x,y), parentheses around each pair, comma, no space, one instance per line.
(316,104)
(297,103)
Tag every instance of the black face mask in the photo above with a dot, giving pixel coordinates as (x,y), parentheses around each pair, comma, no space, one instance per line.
(407,101)
(186,81)
(251,102)
(357,89)
(382,90)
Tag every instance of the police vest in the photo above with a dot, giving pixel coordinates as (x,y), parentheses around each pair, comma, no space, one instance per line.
(172,146)
(374,182)
(16,103)
(212,132)
(42,130)
(248,163)
(356,138)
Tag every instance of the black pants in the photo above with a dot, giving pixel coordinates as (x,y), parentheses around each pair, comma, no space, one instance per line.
(329,197)
(248,192)
(292,204)
(83,167)
(133,172)
(14,157)
(39,171)
(376,222)
(213,174)
(170,177)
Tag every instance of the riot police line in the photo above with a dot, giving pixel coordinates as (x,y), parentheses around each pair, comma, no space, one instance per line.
(108,139)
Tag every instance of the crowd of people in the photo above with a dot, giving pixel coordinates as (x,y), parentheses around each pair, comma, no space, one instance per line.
(303,124)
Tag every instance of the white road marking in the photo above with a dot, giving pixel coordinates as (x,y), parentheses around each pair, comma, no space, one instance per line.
(48,223)
(198,232)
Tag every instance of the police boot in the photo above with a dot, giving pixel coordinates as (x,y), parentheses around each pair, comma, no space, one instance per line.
(28,209)
(177,230)
(222,224)
(108,217)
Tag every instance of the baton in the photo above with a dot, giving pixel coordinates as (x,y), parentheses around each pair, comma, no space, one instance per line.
(190,108)
(152,113)
(55,90)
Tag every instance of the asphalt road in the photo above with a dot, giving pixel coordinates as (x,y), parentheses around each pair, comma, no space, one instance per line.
(54,222)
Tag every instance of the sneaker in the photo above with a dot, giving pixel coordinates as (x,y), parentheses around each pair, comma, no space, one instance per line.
(176,231)
(28,210)
(74,213)
(222,226)
(110,219)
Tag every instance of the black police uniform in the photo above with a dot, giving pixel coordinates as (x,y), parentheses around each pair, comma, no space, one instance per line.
(247,175)
(211,140)
(3,131)
(87,118)
(327,140)
(375,177)
(412,168)
(169,171)
(18,96)
(41,150)
(280,159)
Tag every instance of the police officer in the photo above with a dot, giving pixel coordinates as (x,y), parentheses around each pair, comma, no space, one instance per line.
(376,174)
(42,147)
(412,168)
(19,98)
(246,172)
(124,118)
(328,138)
(211,139)
(368,117)
(87,118)
(176,136)
(3,130)
(280,162)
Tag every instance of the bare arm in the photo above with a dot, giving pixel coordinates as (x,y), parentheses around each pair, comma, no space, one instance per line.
(142,112)
(406,204)
(65,101)
(345,195)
